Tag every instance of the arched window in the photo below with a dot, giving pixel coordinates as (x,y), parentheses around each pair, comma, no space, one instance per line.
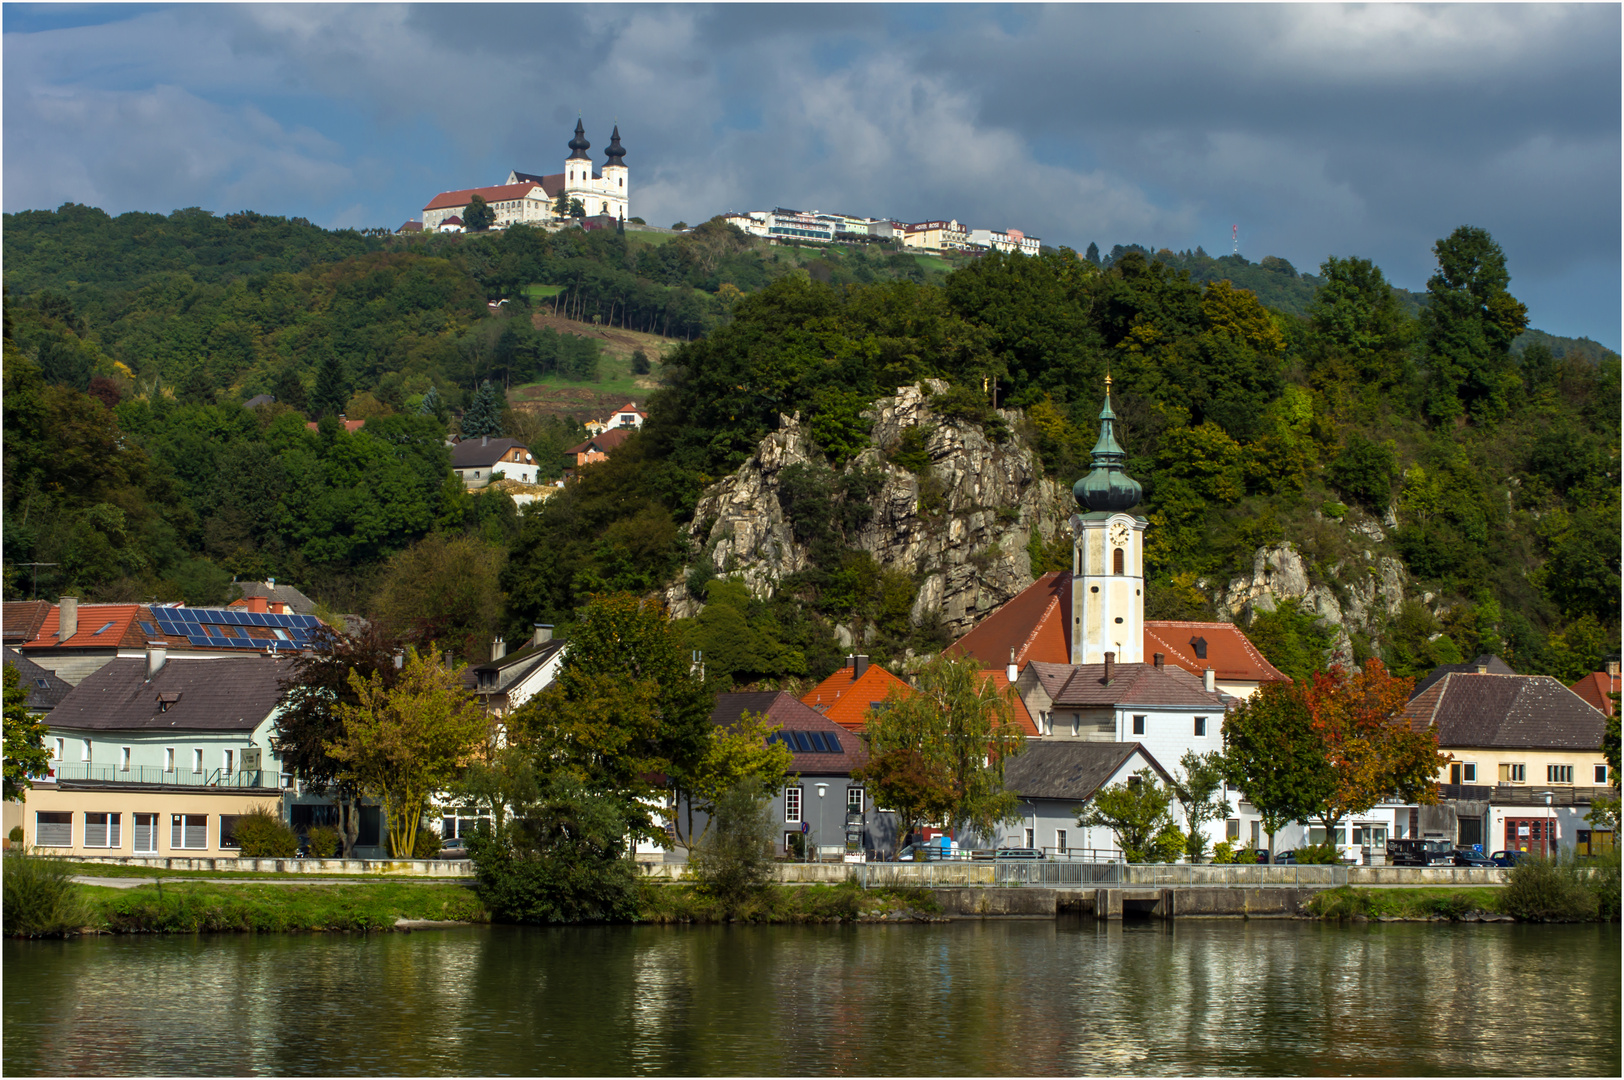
(1116,561)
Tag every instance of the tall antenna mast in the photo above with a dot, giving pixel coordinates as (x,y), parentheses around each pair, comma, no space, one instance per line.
(1234,239)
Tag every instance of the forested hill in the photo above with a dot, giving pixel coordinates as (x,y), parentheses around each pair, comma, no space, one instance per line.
(1258,405)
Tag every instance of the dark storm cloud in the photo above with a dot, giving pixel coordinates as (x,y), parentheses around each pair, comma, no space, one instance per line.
(1369,130)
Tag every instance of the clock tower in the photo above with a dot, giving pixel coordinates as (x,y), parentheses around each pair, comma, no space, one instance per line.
(1108,566)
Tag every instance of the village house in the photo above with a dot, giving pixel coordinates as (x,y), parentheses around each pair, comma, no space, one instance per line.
(157,756)
(476,460)
(627,416)
(1525,762)
(1055,781)
(1598,687)
(598,447)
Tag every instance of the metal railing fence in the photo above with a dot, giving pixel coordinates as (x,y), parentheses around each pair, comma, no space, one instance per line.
(148,774)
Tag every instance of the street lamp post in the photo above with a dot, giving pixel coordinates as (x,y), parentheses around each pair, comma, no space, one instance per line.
(1550,819)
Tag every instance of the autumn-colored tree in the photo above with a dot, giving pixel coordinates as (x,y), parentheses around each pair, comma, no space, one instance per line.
(400,744)
(740,756)
(1370,750)
(962,728)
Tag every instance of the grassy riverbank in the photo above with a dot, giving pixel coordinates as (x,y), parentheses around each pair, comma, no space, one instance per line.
(189,906)
(1346,903)
(679,902)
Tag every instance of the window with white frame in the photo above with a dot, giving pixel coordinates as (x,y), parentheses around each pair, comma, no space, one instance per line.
(854,800)
(169,759)
(1513,773)
(453,826)
(1559,774)
(53,828)
(1468,772)
(146,834)
(189,831)
(61,749)
(1029,838)
(1060,841)
(197,760)
(124,759)
(1200,727)
(1232,829)
(1601,775)
(792,805)
(1076,724)
(226,762)
(102,830)
(84,749)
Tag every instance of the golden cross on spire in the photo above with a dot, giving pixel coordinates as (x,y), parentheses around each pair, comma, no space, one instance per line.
(1107,383)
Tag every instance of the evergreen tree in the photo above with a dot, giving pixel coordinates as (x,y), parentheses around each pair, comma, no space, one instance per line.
(289,389)
(431,405)
(577,209)
(1470,323)
(1093,254)
(561,205)
(484,415)
(332,385)
(197,388)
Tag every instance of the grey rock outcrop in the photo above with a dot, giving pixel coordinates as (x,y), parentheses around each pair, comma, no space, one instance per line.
(967,546)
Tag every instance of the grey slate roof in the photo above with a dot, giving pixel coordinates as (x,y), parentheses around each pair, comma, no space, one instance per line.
(792,715)
(480,452)
(1083,685)
(229,694)
(1495,665)
(513,667)
(1534,712)
(1068,769)
(297,602)
(31,676)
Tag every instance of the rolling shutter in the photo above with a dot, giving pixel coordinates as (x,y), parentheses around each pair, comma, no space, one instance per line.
(53,829)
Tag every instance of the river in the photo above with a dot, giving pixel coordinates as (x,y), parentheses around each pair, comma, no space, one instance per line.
(963,998)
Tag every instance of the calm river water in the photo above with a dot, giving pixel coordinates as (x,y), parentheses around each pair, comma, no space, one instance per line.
(949,999)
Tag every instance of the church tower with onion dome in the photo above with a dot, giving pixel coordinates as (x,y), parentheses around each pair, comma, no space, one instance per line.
(1108,556)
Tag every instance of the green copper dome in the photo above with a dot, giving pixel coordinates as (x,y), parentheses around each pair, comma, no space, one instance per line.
(1107,487)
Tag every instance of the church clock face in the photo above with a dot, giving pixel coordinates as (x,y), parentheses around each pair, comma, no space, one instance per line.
(1120,534)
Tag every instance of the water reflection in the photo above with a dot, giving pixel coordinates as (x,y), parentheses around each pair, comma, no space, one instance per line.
(1068,997)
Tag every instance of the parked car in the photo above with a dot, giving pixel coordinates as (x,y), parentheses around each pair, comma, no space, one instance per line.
(927,852)
(1508,858)
(1414,852)
(1019,853)
(1285,858)
(1468,857)
(453,848)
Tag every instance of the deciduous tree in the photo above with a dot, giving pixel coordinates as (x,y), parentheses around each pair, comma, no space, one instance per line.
(1470,322)
(478,216)
(400,744)
(1272,754)
(1139,813)
(1198,786)
(25,754)
(738,757)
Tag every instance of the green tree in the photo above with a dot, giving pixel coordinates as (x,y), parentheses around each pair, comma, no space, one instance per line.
(478,216)
(1364,471)
(1469,324)
(1273,755)
(308,719)
(332,385)
(444,590)
(1198,787)
(25,755)
(400,744)
(963,729)
(484,415)
(735,864)
(739,756)
(640,365)
(504,780)
(1139,813)
(577,209)
(1358,332)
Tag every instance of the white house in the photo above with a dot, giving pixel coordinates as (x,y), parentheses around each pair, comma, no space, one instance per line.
(474,460)
(1055,780)
(1011,240)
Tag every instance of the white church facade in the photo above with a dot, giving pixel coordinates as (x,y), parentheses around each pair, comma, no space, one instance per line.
(531,199)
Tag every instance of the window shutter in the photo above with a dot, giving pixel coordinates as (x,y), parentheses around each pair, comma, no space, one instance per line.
(95,830)
(197,831)
(53,829)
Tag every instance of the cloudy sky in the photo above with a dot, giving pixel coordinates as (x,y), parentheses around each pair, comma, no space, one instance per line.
(1317,129)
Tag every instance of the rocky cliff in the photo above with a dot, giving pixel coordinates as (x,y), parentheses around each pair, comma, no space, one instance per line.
(961,525)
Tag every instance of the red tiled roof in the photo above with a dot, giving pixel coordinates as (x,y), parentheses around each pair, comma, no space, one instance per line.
(844,698)
(1230,654)
(1595,689)
(351,426)
(499,193)
(101,626)
(21,619)
(1034,623)
(602,443)
(1022,717)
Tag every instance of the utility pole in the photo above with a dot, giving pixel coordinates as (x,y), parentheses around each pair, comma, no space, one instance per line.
(34,589)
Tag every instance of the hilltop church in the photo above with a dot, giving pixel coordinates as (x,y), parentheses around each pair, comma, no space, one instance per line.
(529,199)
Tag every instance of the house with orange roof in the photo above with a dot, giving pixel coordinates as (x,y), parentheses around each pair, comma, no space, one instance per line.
(846,696)
(627,416)
(1599,687)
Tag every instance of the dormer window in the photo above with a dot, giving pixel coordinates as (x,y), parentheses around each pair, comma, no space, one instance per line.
(105,627)
(1200,646)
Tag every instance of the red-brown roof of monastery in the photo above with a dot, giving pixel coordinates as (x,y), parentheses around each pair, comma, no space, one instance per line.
(499,193)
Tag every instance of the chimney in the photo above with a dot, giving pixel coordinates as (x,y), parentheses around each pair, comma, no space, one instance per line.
(1482,669)
(1012,672)
(1161,661)
(484,440)
(1110,667)
(271,582)
(543,633)
(67,618)
(1208,682)
(157,653)
(259,604)
(849,659)
(1612,668)
(859,665)
(498,649)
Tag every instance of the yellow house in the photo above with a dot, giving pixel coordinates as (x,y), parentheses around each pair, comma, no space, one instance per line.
(1524,759)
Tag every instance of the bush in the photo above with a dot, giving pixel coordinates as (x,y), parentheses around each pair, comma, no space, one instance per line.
(1602,878)
(734,865)
(40,900)
(262,834)
(1549,890)
(640,365)
(1226,853)
(16,834)
(427,844)
(324,841)
(562,860)
(1318,854)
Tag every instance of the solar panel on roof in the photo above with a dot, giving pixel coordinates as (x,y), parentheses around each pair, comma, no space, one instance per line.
(196,639)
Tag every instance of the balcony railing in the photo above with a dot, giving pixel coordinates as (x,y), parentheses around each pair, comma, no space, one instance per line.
(146,774)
